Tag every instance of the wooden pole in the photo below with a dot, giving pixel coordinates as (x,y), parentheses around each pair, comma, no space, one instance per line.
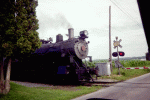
(110,57)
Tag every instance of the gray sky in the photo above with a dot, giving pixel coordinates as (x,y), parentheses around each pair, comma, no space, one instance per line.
(56,16)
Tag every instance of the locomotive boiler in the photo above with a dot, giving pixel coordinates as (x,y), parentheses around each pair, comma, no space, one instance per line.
(71,47)
(57,61)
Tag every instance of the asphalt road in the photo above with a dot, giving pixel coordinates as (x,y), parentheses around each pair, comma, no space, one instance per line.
(134,89)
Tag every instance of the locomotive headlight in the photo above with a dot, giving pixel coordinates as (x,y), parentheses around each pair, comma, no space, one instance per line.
(84,34)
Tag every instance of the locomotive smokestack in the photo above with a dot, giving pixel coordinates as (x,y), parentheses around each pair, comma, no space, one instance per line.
(71,33)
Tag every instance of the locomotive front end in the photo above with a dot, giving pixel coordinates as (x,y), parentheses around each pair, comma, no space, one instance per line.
(81,49)
(80,45)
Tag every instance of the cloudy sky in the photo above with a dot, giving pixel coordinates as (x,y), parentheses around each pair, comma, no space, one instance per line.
(56,16)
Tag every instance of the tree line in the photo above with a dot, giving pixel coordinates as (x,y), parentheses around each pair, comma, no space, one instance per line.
(18,35)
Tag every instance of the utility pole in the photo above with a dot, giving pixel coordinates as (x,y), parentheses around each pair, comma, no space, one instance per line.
(110,57)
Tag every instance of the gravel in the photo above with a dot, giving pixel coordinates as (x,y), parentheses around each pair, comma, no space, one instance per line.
(29,84)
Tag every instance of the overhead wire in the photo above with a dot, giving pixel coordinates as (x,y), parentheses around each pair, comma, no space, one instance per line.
(126,13)
(129,14)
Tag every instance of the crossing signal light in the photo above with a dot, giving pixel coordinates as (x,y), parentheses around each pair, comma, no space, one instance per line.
(114,54)
(121,53)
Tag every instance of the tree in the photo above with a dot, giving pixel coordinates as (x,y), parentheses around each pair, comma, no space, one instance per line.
(18,35)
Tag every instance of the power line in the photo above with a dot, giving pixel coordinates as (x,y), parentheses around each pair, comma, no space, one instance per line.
(126,13)
(128,6)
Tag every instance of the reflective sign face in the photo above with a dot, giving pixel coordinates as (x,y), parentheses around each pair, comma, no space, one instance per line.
(116,43)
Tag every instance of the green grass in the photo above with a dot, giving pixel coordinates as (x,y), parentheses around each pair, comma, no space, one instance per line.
(125,63)
(126,74)
(135,63)
(18,92)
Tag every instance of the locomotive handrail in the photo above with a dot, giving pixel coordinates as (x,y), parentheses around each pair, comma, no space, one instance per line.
(82,65)
(73,59)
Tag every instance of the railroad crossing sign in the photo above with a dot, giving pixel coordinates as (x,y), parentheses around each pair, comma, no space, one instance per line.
(117,43)
(115,54)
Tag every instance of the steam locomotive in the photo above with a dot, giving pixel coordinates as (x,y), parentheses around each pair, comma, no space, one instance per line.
(53,62)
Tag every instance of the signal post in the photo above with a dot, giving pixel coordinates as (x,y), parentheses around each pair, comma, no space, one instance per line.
(118,53)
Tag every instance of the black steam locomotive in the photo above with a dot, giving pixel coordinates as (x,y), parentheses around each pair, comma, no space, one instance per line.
(53,62)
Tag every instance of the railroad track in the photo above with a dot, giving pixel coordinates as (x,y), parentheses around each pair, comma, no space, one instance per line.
(102,82)
(99,83)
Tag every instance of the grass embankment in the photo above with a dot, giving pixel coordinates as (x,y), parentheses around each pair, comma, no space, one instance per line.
(19,92)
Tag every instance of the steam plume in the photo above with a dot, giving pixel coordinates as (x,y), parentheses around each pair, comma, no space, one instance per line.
(56,22)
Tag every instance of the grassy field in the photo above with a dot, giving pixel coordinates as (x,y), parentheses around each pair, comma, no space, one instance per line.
(125,74)
(125,63)
(19,92)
